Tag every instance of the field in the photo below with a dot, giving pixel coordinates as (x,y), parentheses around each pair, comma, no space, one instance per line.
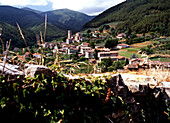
(161,59)
(127,54)
(140,45)
(137,46)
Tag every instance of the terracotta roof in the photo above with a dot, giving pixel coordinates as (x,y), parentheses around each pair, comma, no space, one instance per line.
(123,45)
(23,56)
(92,60)
(85,43)
(27,53)
(103,49)
(36,54)
(120,57)
(139,35)
(133,66)
(90,50)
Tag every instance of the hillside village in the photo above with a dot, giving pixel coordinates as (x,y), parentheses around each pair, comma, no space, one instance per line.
(77,46)
(116,69)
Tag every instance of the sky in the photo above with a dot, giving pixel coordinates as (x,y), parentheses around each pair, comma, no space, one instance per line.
(90,7)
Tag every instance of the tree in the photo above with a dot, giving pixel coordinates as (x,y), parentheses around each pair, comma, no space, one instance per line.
(107,63)
(75,56)
(96,54)
(134,56)
(88,31)
(101,29)
(119,64)
(92,45)
(106,27)
(111,43)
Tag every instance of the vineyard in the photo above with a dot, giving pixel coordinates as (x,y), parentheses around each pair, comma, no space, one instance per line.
(58,99)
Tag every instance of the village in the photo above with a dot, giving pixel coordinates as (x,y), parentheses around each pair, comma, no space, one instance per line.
(94,61)
(75,47)
(77,57)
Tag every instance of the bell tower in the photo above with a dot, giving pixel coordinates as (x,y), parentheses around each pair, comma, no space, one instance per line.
(69,34)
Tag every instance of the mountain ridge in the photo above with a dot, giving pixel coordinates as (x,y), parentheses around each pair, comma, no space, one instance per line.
(138,15)
(33,22)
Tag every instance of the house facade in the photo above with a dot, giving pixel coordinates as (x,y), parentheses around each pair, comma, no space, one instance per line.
(89,54)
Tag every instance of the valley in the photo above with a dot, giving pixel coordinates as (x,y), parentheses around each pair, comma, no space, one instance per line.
(64,66)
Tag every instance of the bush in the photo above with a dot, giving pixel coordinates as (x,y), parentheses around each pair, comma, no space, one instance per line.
(111,43)
(56,99)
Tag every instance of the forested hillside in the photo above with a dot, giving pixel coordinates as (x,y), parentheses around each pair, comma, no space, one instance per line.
(139,15)
(12,32)
(71,19)
(32,22)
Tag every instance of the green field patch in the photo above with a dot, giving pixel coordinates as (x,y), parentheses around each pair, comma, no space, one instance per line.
(133,49)
(161,59)
(127,54)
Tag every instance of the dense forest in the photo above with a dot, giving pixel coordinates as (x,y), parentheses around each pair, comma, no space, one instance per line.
(139,15)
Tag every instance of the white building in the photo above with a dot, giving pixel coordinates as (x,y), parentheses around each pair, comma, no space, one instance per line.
(89,54)
(105,55)
(120,46)
(84,49)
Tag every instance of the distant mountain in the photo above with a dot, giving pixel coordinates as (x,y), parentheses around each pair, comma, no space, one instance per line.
(59,21)
(71,19)
(32,10)
(138,15)
(25,18)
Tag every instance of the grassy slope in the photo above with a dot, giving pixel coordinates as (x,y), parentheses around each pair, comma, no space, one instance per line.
(71,19)
(136,47)
(135,14)
(11,32)
(53,31)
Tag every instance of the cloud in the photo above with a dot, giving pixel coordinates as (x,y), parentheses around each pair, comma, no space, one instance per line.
(87,6)
(23,2)
(47,7)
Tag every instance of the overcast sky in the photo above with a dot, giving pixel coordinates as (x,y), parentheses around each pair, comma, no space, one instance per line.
(90,7)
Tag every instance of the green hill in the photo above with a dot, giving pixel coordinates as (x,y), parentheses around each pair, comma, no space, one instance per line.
(11,32)
(53,32)
(25,18)
(138,15)
(71,19)
(32,22)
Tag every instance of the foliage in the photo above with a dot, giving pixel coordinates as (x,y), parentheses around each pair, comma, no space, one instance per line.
(11,32)
(96,54)
(75,57)
(111,43)
(139,15)
(69,19)
(32,23)
(92,44)
(56,99)
(59,99)
(53,32)
(134,40)
(108,65)
(134,56)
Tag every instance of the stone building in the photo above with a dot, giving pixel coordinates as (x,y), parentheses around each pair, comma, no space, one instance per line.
(73,38)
